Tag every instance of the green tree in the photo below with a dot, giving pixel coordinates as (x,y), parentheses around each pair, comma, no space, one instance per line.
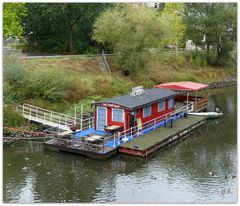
(214,27)
(12,19)
(173,14)
(61,27)
(131,30)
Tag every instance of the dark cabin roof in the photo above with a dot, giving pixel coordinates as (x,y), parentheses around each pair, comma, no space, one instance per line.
(134,102)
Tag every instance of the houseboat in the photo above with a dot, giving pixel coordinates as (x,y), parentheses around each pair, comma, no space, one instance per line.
(118,121)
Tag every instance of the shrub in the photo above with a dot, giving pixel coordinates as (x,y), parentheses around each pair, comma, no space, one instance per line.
(131,61)
(181,60)
(11,118)
(47,84)
(198,59)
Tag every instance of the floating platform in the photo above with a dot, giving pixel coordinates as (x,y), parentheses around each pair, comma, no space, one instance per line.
(146,144)
(77,147)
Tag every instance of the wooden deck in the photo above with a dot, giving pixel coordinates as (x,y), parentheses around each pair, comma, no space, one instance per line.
(91,150)
(146,144)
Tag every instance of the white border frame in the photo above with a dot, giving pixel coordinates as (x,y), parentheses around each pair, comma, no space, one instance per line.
(97,116)
(123,111)
(164,108)
(150,112)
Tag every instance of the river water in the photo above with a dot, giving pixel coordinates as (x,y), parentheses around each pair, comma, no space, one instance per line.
(177,174)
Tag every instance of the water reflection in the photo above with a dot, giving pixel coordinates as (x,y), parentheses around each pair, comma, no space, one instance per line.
(179,173)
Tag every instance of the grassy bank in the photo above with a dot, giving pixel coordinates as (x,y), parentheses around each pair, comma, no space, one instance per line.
(61,83)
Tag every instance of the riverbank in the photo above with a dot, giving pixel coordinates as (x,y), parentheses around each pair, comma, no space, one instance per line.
(61,84)
(21,133)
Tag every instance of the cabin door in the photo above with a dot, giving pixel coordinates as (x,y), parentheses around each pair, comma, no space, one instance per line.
(101,118)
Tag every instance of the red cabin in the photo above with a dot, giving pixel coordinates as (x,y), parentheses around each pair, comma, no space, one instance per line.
(123,111)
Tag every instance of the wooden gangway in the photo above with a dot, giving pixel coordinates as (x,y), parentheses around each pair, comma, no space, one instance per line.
(53,119)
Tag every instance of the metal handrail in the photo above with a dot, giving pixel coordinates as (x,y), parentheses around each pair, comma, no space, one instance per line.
(151,124)
(54,117)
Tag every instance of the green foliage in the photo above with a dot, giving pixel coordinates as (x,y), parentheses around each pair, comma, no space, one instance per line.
(198,59)
(131,61)
(61,27)
(214,27)
(13,71)
(173,14)
(49,85)
(136,28)
(12,17)
(11,118)
(181,60)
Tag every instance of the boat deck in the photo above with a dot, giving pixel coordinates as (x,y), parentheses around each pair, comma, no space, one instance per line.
(147,143)
(78,147)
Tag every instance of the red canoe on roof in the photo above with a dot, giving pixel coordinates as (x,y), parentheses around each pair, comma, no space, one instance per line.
(182,86)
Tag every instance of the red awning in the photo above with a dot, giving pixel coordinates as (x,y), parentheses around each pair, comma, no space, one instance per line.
(182,86)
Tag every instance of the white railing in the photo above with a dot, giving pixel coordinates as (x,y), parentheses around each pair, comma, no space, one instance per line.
(134,132)
(47,116)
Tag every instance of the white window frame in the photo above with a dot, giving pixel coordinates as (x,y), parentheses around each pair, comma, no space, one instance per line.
(164,105)
(123,114)
(98,107)
(172,102)
(150,111)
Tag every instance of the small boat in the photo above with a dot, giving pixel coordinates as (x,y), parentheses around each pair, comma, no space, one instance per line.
(209,115)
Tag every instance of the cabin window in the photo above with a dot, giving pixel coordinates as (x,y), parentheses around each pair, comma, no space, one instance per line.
(147,111)
(170,103)
(117,115)
(161,106)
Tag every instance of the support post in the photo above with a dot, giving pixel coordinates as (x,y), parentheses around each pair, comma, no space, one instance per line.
(187,102)
(81,117)
(119,137)
(131,133)
(37,112)
(114,139)
(51,117)
(30,113)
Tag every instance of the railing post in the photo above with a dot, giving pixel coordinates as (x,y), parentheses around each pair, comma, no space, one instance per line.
(37,112)
(131,133)
(59,120)
(51,117)
(119,137)
(155,124)
(114,140)
(23,109)
(44,116)
(65,121)
(30,113)
(89,121)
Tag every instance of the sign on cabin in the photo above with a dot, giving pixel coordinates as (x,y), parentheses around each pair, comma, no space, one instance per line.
(110,105)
